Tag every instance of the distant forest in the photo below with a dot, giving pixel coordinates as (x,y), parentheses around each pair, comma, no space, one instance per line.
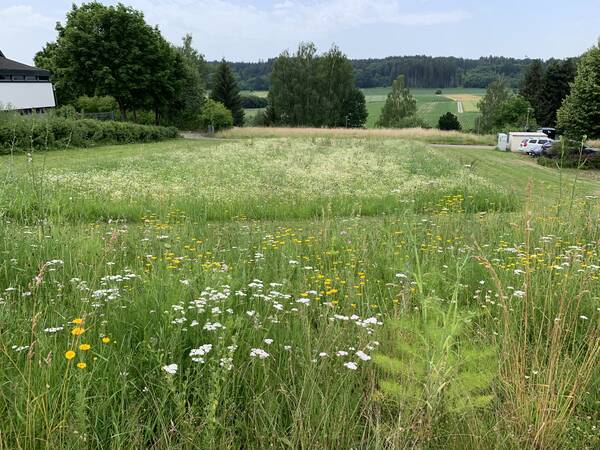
(419,71)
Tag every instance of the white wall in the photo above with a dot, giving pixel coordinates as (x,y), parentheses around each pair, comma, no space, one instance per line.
(23,95)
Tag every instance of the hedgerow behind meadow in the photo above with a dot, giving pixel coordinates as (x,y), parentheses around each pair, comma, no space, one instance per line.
(52,132)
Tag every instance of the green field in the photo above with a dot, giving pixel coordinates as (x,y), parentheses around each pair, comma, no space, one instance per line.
(429,105)
(308,292)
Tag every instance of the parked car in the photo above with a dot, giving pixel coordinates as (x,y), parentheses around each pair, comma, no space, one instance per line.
(533,146)
(572,148)
(550,132)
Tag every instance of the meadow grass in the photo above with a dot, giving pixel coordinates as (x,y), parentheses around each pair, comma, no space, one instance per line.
(236,294)
(431,136)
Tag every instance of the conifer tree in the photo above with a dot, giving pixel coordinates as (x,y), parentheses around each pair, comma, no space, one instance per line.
(226,91)
(557,85)
(532,88)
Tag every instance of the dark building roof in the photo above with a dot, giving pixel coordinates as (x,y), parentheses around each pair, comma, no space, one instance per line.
(10,67)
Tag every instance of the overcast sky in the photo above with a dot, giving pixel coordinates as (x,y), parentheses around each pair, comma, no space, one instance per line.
(251,30)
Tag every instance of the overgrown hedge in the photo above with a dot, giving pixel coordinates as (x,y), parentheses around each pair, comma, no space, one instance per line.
(569,154)
(572,162)
(24,133)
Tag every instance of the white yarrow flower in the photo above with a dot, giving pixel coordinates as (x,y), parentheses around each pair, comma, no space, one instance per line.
(258,353)
(171,369)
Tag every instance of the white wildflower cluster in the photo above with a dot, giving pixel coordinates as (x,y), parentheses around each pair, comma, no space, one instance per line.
(53,329)
(20,348)
(171,369)
(128,275)
(258,353)
(197,354)
(213,326)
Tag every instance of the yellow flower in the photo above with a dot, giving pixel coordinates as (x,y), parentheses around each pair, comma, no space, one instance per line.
(77,321)
(85,347)
(70,354)
(106,339)
(81,365)
(77,331)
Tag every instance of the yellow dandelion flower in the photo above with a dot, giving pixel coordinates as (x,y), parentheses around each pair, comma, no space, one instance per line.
(77,331)
(70,354)
(81,365)
(77,321)
(85,347)
(106,339)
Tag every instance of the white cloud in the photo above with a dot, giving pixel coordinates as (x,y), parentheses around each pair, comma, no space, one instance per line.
(23,17)
(232,28)
(24,31)
(225,28)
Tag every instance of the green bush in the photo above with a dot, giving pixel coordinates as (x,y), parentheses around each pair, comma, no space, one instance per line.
(97,104)
(568,154)
(449,122)
(24,133)
(217,115)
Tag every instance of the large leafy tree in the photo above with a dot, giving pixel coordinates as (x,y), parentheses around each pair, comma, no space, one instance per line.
(355,108)
(490,105)
(110,50)
(500,109)
(399,105)
(191,99)
(314,90)
(580,113)
(225,90)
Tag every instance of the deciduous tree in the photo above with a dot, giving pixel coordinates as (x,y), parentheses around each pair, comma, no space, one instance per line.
(111,50)
(399,105)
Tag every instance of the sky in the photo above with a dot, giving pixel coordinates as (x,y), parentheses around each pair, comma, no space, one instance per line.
(253,30)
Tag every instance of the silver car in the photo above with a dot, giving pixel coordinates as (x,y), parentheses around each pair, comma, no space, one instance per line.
(533,146)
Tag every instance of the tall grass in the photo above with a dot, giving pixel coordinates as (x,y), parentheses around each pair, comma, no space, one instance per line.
(275,307)
(431,136)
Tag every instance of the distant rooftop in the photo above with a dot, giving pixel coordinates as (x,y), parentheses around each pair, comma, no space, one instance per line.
(10,67)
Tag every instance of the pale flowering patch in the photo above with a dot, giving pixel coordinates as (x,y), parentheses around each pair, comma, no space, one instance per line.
(53,329)
(197,354)
(258,353)
(351,365)
(362,356)
(171,369)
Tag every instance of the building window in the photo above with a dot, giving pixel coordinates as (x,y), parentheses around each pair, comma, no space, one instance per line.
(30,78)
(18,78)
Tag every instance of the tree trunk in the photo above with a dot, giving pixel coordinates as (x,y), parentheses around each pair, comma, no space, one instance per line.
(123,111)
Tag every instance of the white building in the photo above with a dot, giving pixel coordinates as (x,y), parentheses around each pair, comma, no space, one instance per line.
(24,88)
(515,138)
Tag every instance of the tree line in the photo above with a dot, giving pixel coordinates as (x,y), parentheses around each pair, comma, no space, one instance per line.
(559,93)
(419,71)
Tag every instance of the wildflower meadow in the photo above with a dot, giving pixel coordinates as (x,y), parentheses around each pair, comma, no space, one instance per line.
(311,292)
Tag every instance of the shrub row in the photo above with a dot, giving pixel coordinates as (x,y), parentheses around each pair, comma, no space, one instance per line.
(572,162)
(24,133)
